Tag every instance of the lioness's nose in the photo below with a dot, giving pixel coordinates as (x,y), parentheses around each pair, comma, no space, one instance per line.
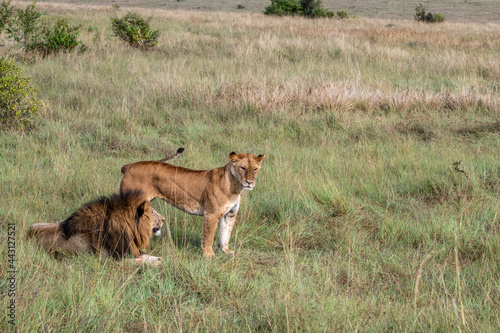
(155,229)
(249,181)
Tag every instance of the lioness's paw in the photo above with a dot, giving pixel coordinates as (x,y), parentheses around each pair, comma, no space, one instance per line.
(209,254)
(228,251)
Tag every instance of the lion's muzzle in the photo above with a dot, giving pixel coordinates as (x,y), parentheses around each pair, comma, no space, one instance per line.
(157,232)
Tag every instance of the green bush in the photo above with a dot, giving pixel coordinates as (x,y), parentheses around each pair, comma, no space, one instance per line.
(438,18)
(18,98)
(321,12)
(135,31)
(342,14)
(42,34)
(24,25)
(6,12)
(422,16)
(283,7)
(307,8)
(57,36)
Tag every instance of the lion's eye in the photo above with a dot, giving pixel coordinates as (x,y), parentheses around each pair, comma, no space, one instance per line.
(242,168)
(254,170)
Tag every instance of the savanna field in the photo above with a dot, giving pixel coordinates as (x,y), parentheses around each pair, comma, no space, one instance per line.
(376,208)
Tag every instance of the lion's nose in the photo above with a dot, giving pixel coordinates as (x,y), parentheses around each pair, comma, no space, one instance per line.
(155,230)
(250,182)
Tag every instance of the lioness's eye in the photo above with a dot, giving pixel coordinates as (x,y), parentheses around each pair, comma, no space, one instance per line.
(242,168)
(254,170)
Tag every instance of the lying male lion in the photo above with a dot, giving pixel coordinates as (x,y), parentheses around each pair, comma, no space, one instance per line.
(110,226)
(214,194)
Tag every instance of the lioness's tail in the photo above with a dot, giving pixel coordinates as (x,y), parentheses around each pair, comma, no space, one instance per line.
(168,157)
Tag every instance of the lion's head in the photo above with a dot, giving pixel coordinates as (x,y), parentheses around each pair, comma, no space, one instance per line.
(157,223)
(245,168)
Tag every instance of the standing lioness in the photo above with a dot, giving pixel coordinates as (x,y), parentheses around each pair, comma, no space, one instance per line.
(215,193)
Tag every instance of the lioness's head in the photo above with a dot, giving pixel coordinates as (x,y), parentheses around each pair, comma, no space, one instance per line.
(157,223)
(245,168)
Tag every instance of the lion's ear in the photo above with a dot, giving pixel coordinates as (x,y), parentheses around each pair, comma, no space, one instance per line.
(260,158)
(141,209)
(233,156)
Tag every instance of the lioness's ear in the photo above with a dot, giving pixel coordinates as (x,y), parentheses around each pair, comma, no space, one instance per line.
(233,156)
(260,158)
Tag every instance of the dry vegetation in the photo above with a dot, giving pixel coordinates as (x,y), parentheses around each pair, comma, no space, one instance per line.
(455,10)
(360,220)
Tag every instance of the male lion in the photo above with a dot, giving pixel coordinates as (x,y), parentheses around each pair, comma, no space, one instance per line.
(214,194)
(110,226)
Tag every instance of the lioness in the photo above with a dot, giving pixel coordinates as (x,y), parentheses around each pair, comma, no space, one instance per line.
(214,194)
(111,226)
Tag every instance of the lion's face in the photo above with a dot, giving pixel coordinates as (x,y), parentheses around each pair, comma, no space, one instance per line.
(245,168)
(157,223)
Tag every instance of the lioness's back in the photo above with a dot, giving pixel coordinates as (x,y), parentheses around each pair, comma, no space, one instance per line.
(155,178)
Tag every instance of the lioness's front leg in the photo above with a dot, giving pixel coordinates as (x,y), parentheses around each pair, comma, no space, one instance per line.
(226,224)
(208,233)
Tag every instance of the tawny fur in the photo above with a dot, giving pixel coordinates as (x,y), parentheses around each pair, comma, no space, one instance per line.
(214,194)
(114,226)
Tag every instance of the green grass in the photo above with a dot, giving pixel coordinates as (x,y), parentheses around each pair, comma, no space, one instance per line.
(357,203)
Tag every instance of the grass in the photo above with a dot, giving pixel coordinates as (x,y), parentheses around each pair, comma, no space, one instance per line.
(359,220)
(453,10)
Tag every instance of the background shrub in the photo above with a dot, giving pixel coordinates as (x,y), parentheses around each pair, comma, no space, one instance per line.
(423,16)
(57,36)
(6,12)
(438,18)
(135,31)
(24,25)
(321,12)
(42,34)
(18,98)
(342,14)
(283,7)
(307,8)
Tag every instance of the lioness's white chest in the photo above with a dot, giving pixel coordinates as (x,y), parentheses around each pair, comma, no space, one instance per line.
(232,206)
